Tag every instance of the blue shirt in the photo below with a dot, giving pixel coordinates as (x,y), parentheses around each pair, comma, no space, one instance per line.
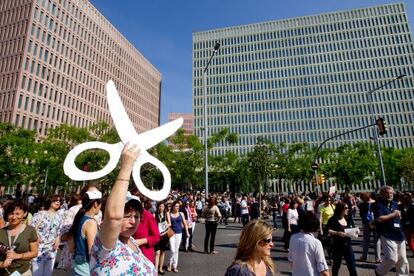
(390,229)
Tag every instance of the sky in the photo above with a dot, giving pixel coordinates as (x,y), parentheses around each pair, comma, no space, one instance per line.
(162,31)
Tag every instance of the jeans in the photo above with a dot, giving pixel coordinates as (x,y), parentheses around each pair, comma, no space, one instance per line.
(211,229)
(175,242)
(274,215)
(348,254)
(245,219)
(367,238)
(394,255)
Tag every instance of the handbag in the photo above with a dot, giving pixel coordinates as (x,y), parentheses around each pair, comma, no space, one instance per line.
(170,232)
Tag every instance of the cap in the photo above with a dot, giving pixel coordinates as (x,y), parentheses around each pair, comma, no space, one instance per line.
(129,197)
(94,194)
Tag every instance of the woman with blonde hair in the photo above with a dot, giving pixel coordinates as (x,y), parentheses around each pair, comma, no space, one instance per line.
(253,252)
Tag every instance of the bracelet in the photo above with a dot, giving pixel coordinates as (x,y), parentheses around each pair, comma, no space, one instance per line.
(122,179)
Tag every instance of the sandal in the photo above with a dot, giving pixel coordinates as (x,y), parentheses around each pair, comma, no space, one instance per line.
(169,269)
(175,270)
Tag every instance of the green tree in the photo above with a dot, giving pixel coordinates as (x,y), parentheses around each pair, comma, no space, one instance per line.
(407,167)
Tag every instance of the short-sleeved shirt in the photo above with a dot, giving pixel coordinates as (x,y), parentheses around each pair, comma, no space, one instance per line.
(121,260)
(306,255)
(21,245)
(326,213)
(390,229)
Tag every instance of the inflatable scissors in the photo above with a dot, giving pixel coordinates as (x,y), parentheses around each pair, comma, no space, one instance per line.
(127,133)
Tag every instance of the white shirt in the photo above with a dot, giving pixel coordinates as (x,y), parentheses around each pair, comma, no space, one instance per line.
(306,255)
(243,206)
(293,216)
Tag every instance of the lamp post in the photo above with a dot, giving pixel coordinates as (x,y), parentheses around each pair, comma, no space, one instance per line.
(373,121)
(216,47)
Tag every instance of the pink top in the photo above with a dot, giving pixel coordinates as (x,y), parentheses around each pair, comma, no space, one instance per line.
(148,229)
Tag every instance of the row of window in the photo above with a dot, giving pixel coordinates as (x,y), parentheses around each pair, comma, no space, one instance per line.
(304,26)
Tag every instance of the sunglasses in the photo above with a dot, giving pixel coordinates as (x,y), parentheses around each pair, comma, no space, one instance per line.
(266,241)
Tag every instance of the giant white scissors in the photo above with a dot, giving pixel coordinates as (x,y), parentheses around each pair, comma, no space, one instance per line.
(127,133)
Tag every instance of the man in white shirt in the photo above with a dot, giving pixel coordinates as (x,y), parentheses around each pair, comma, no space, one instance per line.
(305,251)
(244,211)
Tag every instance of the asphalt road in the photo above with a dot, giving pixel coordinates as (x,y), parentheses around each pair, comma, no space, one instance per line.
(198,263)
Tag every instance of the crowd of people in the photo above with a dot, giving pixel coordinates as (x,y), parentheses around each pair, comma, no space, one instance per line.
(124,233)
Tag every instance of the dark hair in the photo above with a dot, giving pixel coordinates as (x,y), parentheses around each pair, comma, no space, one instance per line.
(87,204)
(339,207)
(74,200)
(13,205)
(292,204)
(212,201)
(133,205)
(308,222)
(51,199)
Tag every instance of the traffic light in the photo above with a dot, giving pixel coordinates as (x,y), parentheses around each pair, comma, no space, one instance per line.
(322,178)
(382,126)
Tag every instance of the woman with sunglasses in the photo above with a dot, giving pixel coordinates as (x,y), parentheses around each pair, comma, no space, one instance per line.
(253,252)
(115,251)
(48,225)
(326,211)
(341,243)
(20,239)
(84,229)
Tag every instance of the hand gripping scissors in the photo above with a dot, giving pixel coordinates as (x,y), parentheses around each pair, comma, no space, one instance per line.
(127,133)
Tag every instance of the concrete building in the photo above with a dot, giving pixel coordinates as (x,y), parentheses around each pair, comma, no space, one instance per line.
(55,59)
(307,79)
(188,121)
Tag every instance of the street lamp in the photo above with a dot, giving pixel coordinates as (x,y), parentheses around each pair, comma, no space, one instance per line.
(216,47)
(374,121)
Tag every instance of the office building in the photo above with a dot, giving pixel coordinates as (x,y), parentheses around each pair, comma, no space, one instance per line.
(187,118)
(56,57)
(307,79)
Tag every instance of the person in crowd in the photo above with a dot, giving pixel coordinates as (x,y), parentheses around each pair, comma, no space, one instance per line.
(194,217)
(199,207)
(309,204)
(341,243)
(244,211)
(407,220)
(48,226)
(212,215)
(326,211)
(84,230)
(274,208)
(366,211)
(115,251)
(388,221)
(21,241)
(305,251)
(349,200)
(178,223)
(161,247)
(66,256)
(237,210)
(147,234)
(254,209)
(253,252)
(187,241)
(292,223)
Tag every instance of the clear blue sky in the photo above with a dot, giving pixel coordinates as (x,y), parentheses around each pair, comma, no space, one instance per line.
(162,30)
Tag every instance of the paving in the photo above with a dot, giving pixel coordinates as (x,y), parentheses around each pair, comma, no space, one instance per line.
(198,263)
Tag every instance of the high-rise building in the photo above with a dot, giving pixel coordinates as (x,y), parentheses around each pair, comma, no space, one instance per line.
(187,118)
(55,59)
(307,79)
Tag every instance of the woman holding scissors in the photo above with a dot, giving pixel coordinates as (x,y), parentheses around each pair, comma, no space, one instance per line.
(115,252)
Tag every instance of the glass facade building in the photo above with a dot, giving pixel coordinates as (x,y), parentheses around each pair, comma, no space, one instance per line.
(307,79)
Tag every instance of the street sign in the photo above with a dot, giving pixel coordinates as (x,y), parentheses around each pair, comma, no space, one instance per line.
(315,166)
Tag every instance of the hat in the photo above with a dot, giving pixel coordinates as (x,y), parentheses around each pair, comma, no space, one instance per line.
(129,197)
(94,194)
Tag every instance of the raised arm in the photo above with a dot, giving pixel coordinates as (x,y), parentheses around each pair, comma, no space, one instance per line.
(114,211)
